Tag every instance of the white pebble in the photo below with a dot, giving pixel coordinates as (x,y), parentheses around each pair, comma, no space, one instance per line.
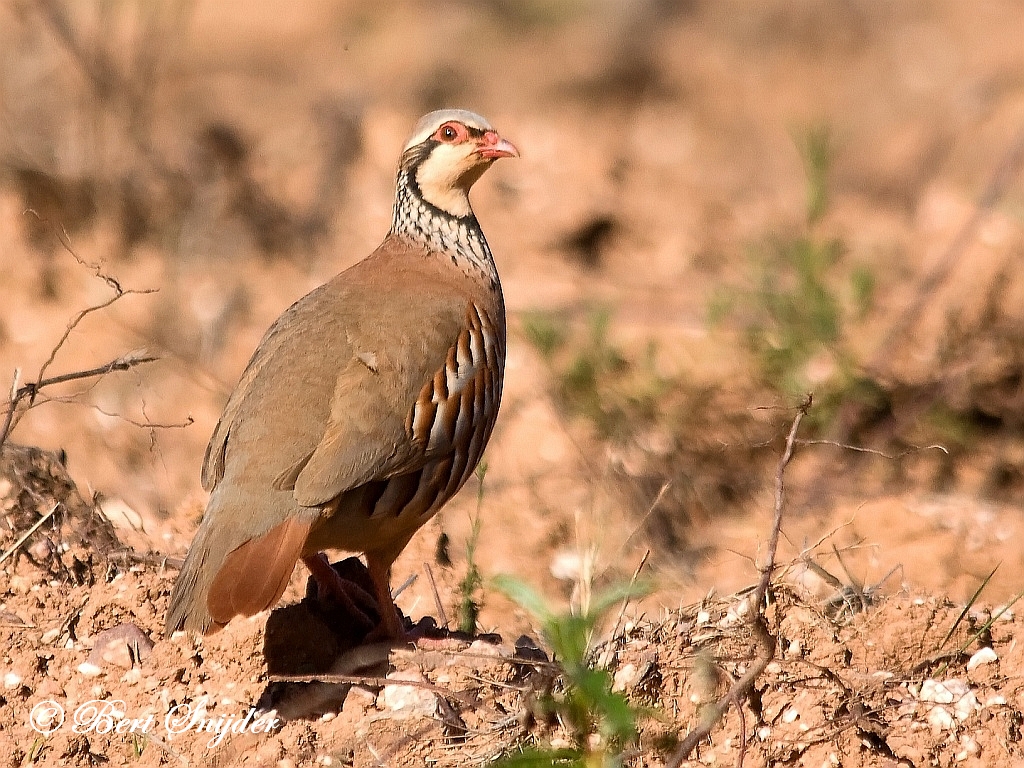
(968,748)
(407,700)
(943,691)
(89,670)
(984,656)
(12,680)
(940,719)
(966,706)
(624,677)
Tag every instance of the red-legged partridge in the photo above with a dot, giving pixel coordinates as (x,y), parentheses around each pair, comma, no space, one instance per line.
(367,404)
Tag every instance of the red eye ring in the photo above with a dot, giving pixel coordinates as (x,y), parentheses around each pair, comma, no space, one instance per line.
(450,133)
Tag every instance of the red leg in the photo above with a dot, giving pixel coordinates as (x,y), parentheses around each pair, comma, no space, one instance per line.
(390,627)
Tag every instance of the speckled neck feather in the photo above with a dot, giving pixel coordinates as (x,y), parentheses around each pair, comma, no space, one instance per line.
(459,236)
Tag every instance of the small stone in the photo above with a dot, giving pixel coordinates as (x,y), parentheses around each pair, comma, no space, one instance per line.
(968,748)
(984,656)
(940,719)
(125,646)
(484,648)
(566,566)
(408,700)
(50,635)
(966,706)
(12,680)
(942,692)
(121,515)
(41,551)
(790,715)
(89,670)
(9,619)
(625,676)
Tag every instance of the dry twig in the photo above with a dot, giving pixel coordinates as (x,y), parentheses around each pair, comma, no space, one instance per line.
(38,524)
(31,390)
(759,628)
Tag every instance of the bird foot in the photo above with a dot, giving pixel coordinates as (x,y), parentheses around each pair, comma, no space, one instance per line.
(332,590)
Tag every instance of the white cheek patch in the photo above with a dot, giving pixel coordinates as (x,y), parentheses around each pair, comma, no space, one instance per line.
(438,175)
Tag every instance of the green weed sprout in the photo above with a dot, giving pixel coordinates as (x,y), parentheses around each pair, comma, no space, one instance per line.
(470,599)
(587,705)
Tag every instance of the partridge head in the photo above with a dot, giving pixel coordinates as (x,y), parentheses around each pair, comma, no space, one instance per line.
(367,404)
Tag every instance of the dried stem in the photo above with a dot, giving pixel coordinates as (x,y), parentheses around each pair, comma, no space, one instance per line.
(123,363)
(25,537)
(765,642)
(30,391)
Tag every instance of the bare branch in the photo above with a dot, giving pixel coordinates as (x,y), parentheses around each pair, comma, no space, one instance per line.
(883,454)
(188,422)
(79,316)
(9,417)
(765,642)
(38,524)
(123,363)
(32,390)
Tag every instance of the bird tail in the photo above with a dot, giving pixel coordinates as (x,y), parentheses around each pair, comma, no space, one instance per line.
(223,578)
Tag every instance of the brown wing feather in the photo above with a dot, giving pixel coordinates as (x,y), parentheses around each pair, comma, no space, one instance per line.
(255,574)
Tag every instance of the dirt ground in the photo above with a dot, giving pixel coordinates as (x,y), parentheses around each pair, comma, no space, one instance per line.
(215,161)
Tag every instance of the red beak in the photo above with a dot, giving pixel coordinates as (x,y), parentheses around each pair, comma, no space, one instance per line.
(492,146)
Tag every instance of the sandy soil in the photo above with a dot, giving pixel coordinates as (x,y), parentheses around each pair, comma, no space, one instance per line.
(219,160)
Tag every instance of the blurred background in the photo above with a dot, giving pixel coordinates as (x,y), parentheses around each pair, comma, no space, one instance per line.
(720,207)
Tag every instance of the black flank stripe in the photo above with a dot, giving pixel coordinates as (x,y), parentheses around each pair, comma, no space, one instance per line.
(370,494)
(400,492)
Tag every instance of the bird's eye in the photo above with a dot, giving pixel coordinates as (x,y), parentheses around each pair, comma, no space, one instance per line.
(448,132)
